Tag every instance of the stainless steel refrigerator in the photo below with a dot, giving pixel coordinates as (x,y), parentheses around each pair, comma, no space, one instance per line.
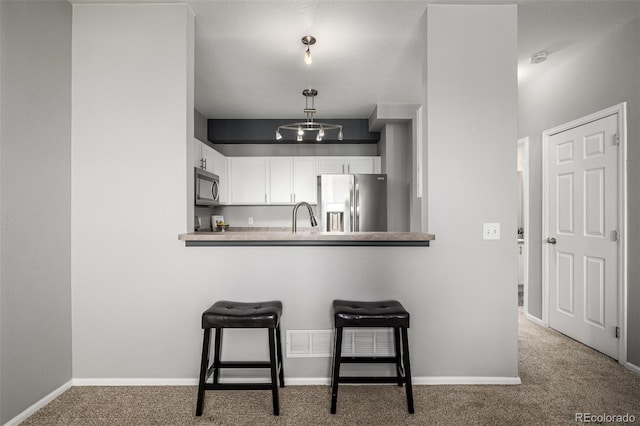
(352,203)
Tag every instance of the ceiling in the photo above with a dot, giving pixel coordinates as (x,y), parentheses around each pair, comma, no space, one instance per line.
(249,54)
(249,57)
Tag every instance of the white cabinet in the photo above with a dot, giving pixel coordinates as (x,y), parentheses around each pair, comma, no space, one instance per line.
(292,179)
(220,169)
(364,164)
(209,159)
(305,182)
(203,155)
(281,180)
(248,180)
(326,165)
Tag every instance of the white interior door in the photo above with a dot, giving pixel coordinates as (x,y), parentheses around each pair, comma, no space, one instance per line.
(582,203)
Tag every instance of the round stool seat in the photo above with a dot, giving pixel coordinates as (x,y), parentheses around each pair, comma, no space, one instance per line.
(388,313)
(228,314)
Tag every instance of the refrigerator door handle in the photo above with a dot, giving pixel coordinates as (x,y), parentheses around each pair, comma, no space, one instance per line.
(351,209)
(357,209)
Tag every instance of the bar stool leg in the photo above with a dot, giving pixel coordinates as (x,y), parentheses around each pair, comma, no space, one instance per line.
(204,365)
(216,355)
(407,370)
(274,372)
(396,341)
(280,366)
(336,369)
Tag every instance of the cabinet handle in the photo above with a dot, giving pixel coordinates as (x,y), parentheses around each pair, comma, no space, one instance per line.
(205,163)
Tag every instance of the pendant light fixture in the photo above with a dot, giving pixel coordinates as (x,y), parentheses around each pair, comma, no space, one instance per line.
(308,41)
(309,125)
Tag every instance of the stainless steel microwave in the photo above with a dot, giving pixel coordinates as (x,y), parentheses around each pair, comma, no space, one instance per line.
(207,188)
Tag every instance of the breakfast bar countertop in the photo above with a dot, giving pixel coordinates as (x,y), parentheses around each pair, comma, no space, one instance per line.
(280,237)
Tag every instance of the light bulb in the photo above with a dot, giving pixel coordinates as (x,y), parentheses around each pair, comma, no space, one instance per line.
(278,135)
(300,131)
(307,57)
(299,138)
(321,132)
(319,137)
(340,134)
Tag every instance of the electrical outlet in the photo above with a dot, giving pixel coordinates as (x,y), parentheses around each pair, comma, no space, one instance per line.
(491,231)
(250,220)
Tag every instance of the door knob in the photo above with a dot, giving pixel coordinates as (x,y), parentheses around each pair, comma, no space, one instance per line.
(551,240)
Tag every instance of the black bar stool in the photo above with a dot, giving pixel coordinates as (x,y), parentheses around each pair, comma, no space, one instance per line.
(389,313)
(225,314)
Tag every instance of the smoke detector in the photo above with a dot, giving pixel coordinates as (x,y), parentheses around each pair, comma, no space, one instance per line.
(538,57)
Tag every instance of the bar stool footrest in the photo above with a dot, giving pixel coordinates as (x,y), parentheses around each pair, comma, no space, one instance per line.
(371,379)
(368,360)
(238,386)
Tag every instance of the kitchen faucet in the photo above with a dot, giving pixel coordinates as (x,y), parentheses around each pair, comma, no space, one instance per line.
(294,218)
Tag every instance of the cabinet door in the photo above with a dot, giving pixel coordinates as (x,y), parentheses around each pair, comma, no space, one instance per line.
(280,181)
(220,168)
(365,165)
(305,182)
(197,154)
(330,165)
(248,177)
(207,155)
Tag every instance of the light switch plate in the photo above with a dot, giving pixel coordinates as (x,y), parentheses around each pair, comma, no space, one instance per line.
(491,231)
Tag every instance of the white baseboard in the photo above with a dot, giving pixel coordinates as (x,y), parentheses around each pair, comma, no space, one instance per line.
(134,382)
(534,319)
(470,380)
(297,381)
(307,381)
(633,367)
(38,405)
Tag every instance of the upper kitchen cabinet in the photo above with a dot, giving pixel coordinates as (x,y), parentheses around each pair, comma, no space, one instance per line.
(304,180)
(220,169)
(281,180)
(292,179)
(363,164)
(330,165)
(248,180)
(203,155)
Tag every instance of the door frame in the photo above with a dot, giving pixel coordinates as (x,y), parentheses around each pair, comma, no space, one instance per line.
(621,110)
(525,219)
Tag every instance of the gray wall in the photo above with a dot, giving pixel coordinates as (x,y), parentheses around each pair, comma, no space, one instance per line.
(395,149)
(35,193)
(199,126)
(471,132)
(137,267)
(606,74)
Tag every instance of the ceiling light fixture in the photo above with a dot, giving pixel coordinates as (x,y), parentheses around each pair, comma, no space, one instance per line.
(309,125)
(308,41)
(538,57)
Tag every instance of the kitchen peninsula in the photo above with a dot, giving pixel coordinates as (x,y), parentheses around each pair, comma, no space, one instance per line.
(306,238)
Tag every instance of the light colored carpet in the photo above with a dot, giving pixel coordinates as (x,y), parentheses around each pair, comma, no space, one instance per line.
(560,377)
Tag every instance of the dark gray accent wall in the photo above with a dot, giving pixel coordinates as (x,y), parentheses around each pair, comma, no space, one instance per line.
(606,74)
(224,131)
(307,149)
(35,202)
